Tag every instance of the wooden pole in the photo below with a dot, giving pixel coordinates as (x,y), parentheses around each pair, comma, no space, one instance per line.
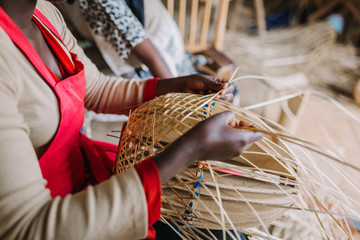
(260,17)
(234,18)
(205,23)
(193,23)
(170,7)
(357,92)
(182,18)
(221,24)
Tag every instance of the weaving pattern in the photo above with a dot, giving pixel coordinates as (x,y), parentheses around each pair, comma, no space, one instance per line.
(240,192)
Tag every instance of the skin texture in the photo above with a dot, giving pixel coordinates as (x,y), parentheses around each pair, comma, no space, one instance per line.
(148,55)
(22,17)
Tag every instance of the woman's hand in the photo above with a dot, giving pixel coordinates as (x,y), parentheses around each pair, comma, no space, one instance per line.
(195,83)
(215,139)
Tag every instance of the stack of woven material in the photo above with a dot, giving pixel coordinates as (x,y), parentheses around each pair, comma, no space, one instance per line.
(283,51)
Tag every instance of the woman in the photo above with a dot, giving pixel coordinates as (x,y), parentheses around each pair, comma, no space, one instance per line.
(118,35)
(47,168)
(127,36)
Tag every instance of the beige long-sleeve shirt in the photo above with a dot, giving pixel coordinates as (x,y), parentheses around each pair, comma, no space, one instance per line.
(29,117)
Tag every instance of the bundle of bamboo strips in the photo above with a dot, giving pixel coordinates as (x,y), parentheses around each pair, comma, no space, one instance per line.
(282,51)
(278,173)
(237,193)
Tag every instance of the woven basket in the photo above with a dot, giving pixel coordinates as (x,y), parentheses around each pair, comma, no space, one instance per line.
(246,191)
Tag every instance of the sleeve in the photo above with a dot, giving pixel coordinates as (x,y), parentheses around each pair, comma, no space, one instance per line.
(104,94)
(114,209)
(150,178)
(113,21)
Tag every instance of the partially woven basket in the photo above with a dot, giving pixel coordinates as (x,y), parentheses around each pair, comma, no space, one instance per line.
(246,191)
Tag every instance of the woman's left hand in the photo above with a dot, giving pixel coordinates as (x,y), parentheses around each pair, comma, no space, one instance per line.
(196,83)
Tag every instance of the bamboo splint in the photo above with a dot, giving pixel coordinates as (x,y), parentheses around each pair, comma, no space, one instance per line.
(238,193)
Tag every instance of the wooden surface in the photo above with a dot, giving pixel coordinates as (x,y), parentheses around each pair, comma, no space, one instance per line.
(329,127)
(292,112)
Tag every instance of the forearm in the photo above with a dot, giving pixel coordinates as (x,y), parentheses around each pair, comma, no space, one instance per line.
(147,54)
(115,209)
(177,156)
(113,95)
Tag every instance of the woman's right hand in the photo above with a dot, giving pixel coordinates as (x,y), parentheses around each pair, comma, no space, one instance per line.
(196,83)
(215,139)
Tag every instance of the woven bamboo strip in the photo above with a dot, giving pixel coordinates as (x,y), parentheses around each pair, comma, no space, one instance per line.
(243,192)
(159,122)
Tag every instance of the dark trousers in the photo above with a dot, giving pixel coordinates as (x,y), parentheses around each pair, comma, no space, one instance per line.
(164,232)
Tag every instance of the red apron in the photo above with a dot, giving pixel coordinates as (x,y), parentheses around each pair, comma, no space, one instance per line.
(72,160)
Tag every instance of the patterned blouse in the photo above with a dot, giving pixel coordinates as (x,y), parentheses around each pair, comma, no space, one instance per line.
(114,21)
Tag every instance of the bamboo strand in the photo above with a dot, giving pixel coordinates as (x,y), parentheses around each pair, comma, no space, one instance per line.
(300,142)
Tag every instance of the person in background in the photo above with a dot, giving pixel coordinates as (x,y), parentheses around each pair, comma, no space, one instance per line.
(123,42)
(130,37)
(55,183)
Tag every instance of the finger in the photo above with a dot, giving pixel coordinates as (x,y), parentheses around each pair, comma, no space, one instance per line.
(233,122)
(224,117)
(247,138)
(246,135)
(245,124)
(216,79)
(214,83)
(188,90)
(227,97)
(228,116)
(255,136)
(228,90)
